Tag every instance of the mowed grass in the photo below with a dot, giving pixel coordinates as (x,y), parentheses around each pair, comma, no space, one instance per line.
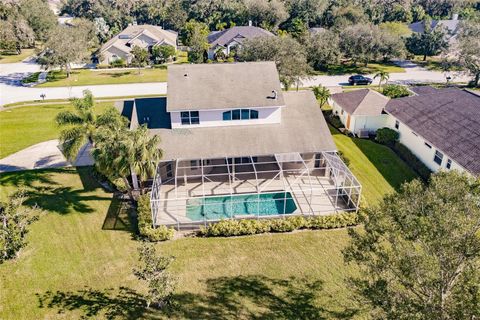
(25,126)
(80,256)
(13,58)
(83,77)
(377,167)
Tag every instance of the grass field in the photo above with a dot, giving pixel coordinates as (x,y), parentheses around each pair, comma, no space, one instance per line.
(377,167)
(26,126)
(17,57)
(93,77)
(80,255)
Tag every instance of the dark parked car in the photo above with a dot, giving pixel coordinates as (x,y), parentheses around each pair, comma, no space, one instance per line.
(359,79)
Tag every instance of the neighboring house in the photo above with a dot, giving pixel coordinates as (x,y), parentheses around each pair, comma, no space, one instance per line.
(145,36)
(230,39)
(236,146)
(360,111)
(316,30)
(441,127)
(451,27)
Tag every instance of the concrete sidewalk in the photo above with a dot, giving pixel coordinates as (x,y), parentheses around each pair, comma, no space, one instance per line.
(41,156)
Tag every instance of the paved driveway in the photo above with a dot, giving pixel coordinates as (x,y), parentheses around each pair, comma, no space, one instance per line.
(42,155)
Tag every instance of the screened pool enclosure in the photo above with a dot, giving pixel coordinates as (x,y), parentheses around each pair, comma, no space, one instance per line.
(198,191)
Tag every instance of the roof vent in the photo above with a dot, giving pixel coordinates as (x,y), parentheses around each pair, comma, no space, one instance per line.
(185,75)
(274,94)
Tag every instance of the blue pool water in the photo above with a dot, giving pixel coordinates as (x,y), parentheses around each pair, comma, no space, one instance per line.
(224,207)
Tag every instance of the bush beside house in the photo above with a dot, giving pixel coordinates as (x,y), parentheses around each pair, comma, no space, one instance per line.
(145,223)
(231,228)
(416,164)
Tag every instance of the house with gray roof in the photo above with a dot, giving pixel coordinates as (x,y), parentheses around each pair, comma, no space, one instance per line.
(231,39)
(360,111)
(449,26)
(144,36)
(235,146)
(441,127)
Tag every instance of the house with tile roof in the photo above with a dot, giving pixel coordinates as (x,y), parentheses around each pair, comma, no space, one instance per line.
(229,39)
(145,36)
(237,146)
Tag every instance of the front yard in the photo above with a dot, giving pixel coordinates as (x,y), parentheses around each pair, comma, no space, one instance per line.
(82,77)
(25,126)
(17,57)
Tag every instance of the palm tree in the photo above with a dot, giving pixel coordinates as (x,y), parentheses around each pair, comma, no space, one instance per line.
(144,154)
(322,94)
(79,126)
(383,76)
(112,155)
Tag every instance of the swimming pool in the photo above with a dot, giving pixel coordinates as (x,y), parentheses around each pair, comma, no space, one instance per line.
(224,207)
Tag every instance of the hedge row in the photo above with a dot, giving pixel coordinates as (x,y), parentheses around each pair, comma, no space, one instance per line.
(145,228)
(415,163)
(229,228)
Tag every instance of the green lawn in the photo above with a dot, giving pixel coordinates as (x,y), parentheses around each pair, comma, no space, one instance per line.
(80,255)
(31,78)
(26,126)
(17,57)
(350,68)
(92,77)
(377,167)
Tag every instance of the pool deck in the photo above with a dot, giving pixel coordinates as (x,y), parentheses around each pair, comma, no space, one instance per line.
(312,194)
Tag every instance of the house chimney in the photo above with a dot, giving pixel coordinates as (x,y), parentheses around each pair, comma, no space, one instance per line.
(249,23)
(455,16)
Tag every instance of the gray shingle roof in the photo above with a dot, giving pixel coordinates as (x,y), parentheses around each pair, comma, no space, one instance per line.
(448,118)
(121,39)
(363,102)
(224,37)
(451,26)
(422,90)
(302,129)
(223,86)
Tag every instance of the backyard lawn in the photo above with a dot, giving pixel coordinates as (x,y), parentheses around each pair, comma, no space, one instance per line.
(17,57)
(80,255)
(83,77)
(377,167)
(25,126)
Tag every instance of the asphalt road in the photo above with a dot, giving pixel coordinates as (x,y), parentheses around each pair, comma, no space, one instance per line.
(12,91)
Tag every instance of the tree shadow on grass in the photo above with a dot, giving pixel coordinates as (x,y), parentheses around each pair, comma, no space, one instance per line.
(226,298)
(30,178)
(123,303)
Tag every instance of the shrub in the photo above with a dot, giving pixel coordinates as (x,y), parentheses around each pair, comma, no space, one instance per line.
(418,166)
(387,136)
(118,63)
(229,228)
(145,223)
(395,91)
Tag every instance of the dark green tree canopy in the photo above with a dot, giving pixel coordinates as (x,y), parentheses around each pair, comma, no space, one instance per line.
(419,251)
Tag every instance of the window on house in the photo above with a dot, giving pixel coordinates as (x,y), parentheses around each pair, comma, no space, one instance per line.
(449,164)
(227,115)
(190,117)
(428,145)
(397,124)
(240,114)
(194,164)
(438,157)
(341,113)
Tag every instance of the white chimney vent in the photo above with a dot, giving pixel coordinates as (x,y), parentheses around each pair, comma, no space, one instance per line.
(455,16)
(249,23)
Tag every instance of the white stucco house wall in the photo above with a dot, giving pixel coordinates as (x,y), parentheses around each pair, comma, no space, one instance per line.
(144,36)
(441,127)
